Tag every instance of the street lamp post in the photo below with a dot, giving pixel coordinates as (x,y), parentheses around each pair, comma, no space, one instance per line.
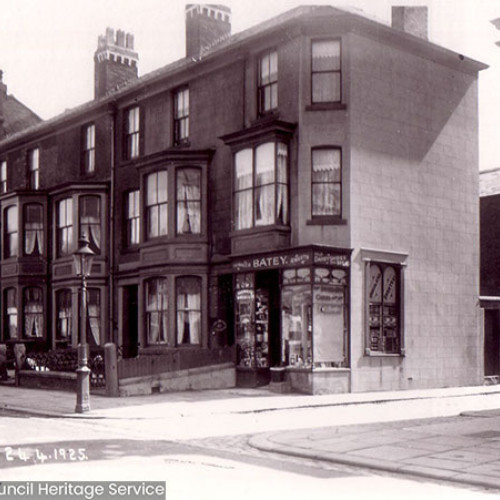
(83,258)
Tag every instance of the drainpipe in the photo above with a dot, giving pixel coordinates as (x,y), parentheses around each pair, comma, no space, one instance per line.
(112,155)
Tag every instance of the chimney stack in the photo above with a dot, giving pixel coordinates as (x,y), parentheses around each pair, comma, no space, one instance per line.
(412,20)
(115,61)
(206,25)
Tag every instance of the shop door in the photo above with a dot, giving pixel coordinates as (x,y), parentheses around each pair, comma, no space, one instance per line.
(491,342)
(267,312)
(130,321)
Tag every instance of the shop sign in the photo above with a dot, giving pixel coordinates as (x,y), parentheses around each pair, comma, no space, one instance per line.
(329,259)
(273,261)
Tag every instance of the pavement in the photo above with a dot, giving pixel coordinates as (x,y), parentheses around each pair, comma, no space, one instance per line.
(458,439)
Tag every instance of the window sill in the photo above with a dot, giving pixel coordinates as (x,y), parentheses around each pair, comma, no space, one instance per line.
(377,354)
(326,221)
(259,229)
(326,106)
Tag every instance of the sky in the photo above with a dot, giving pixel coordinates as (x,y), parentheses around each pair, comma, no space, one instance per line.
(47,46)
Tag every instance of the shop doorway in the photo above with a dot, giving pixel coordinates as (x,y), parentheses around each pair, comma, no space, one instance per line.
(268,313)
(491,342)
(130,344)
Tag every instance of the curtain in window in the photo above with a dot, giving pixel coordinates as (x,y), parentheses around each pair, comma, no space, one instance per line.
(33,312)
(326,182)
(243,188)
(33,229)
(264,181)
(188,201)
(326,71)
(282,187)
(189,310)
(90,221)
(94,316)
(156,311)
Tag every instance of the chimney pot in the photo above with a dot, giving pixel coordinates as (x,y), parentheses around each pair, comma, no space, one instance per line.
(130,41)
(120,38)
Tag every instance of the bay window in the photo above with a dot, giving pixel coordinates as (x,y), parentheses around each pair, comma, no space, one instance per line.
(33,312)
(33,229)
(156,311)
(157,204)
(188,291)
(325,71)
(64,315)
(188,183)
(11,232)
(326,182)
(64,227)
(90,221)
(261,186)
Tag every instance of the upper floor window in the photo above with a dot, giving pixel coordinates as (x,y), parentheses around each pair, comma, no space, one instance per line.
(88,149)
(34,168)
(33,312)
(268,82)
(132,133)
(3,176)
(90,221)
(261,186)
(133,218)
(64,227)
(33,229)
(326,182)
(10,311)
(181,116)
(188,201)
(156,311)
(188,310)
(157,204)
(326,71)
(64,314)
(11,232)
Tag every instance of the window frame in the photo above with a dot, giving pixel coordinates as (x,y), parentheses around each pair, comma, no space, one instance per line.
(64,293)
(10,293)
(39,232)
(181,116)
(34,168)
(3,176)
(271,85)
(162,310)
(8,234)
(255,186)
(188,202)
(187,310)
(326,72)
(333,216)
(162,207)
(92,234)
(89,149)
(39,315)
(384,260)
(133,219)
(132,136)
(65,229)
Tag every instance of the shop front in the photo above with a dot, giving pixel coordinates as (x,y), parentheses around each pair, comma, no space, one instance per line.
(292,319)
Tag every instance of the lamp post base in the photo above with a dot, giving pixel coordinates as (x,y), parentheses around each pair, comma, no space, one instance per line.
(82,381)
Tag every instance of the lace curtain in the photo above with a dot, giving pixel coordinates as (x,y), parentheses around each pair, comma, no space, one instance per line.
(189,311)
(156,311)
(33,312)
(189,201)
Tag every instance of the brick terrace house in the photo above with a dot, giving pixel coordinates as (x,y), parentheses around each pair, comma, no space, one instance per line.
(301,195)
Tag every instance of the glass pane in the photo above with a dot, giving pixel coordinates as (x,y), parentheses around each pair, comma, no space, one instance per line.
(326,55)
(153,221)
(243,210)
(162,187)
(133,120)
(151,189)
(264,70)
(326,199)
(282,204)
(12,219)
(326,87)
(326,165)
(264,164)
(188,184)
(390,286)
(375,290)
(282,159)
(243,169)
(273,66)
(163,219)
(264,205)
